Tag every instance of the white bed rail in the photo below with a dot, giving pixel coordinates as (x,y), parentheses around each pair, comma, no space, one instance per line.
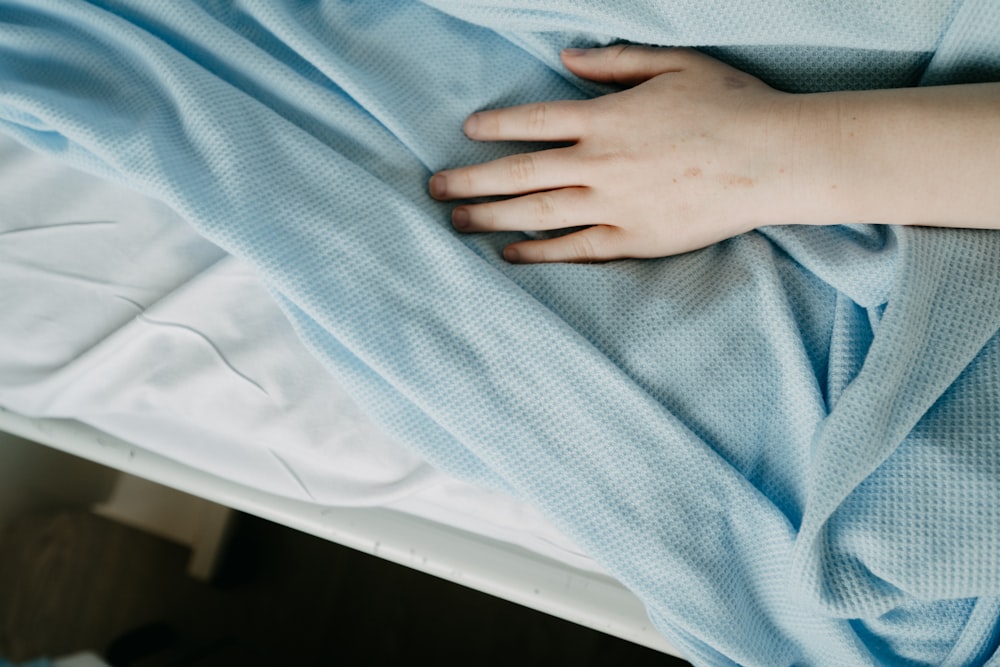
(503,570)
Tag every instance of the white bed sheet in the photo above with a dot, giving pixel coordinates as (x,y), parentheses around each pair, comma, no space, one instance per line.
(115,313)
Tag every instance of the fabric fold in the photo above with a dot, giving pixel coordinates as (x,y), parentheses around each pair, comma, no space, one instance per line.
(721,430)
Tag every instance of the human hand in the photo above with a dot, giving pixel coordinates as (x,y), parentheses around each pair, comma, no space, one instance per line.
(691,153)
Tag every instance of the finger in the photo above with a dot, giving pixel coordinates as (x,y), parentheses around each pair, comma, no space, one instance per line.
(555,209)
(511,175)
(594,244)
(626,64)
(542,121)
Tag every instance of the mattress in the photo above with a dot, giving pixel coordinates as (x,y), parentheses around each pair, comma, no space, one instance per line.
(120,317)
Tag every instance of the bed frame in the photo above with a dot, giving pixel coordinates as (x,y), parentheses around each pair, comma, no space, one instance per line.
(493,567)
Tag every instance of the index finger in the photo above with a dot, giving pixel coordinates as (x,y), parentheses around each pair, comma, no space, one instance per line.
(563,120)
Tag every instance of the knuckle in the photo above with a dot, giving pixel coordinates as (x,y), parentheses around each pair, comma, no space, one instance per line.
(537,117)
(610,157)
(618,50)
(628,54)
(468,179)
(582,247)
(609,167)
(521,167)
(487,217)
(615,57)
(489,123)
(545,208)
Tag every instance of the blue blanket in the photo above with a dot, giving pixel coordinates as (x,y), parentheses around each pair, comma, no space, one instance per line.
(787,444)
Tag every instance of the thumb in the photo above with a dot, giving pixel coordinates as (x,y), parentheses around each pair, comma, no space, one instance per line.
(625,64)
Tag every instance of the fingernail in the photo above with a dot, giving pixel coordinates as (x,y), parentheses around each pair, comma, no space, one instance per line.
(438,185)
(573,53)
(511,255)
(471,123)
(460,218)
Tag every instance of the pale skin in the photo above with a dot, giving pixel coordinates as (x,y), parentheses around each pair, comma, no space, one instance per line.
(693,152)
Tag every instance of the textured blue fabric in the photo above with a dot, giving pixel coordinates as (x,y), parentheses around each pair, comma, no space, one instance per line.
(786,444)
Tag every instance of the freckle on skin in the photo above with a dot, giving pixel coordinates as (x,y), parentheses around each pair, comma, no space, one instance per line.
(674,180)
(692,172)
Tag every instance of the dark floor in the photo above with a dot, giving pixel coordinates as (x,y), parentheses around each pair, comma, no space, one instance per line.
(75,581)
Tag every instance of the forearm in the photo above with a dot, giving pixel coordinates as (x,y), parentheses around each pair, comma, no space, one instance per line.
(913,156)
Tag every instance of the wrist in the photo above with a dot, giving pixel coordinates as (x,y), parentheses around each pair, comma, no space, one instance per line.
(908,156)
(798,160)
(817,186)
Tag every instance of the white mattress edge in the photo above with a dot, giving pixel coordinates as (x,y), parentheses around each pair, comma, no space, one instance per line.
(490,566)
